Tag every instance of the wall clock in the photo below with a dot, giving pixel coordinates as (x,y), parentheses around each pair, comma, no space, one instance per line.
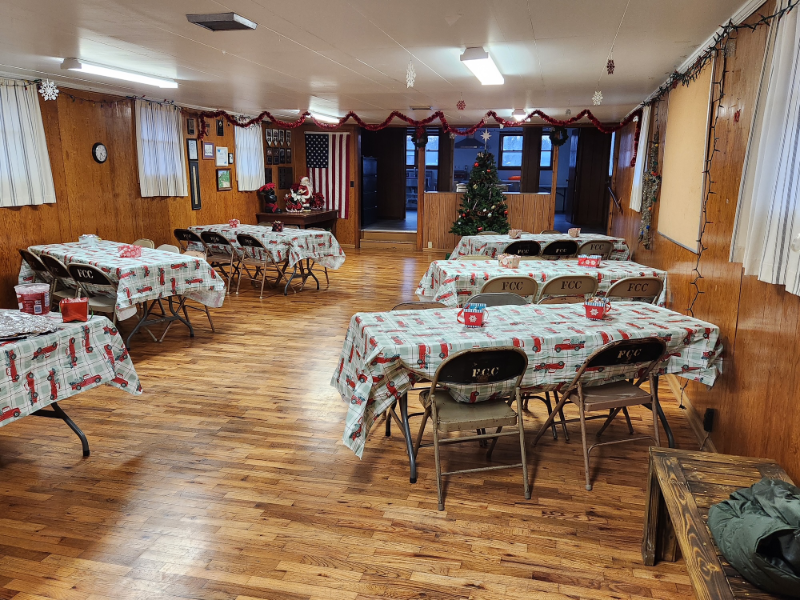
(100,152)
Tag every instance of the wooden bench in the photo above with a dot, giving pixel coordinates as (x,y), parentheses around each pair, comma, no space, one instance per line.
(681,487)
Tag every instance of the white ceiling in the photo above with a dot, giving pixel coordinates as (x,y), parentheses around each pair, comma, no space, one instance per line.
(339,55)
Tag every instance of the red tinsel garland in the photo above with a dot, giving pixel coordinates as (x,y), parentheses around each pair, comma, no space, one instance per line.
(419,125)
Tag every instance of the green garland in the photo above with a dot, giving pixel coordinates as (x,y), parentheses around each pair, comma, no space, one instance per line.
(650,186)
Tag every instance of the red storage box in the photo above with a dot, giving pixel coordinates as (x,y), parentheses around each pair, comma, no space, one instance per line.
(74,309)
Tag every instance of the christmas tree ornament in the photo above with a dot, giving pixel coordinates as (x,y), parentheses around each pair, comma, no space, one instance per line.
(461,105)
(610,66)
(597,99)
(411,75)
(48,90)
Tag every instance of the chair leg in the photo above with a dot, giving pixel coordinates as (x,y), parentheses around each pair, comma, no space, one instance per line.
(655,410)
(550,418)
(549,406)
(627,419)
(436,455)
(561,416)
(389,422)
(493,444)
(612,412)
(521,427)
(425,418)
(583,438)
(263,278)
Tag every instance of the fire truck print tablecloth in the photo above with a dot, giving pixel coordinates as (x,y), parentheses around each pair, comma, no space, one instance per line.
(293,245)
(48,368)
(155,274)
(493,245)
(453,282)
(384,353)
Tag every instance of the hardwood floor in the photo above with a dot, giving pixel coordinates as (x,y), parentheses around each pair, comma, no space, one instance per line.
(227,479)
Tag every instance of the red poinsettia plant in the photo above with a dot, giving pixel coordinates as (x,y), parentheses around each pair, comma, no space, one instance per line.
(317,200)
(267,187)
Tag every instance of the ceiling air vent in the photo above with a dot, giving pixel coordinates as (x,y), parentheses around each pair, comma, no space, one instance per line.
(222,21)
(420,108)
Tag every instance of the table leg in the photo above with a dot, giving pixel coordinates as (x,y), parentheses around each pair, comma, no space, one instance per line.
(663,417)
(289,282)
(412,460)
(58,413)
(178,316)
(650,539)
(311,272)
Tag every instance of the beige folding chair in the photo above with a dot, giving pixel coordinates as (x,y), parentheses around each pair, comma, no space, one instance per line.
(221,255)
(42,272)
(61,276)
(568,289)
(560,249)
(514,284)
(472,368)
(498,299)
(256,256)
(642,356)
(145,243)
(182,300)
(474,257)
(525,249)
(423,305)
(95,285)
(549,232)
(601,247)
(487,233)
(648,289)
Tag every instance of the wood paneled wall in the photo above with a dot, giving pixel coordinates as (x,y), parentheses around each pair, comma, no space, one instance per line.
(756,397)
(348,231)
(105,199)
(529,212)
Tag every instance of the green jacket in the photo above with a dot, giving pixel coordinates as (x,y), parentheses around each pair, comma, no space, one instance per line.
(758,532)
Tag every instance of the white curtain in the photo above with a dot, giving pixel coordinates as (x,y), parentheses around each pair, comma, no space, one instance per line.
(641,161)
(159,139)
(767,230)
(249,158)
(25,174)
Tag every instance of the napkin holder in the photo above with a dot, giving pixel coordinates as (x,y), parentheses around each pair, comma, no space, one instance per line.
(574,232)
(589,260)
(515,234)
(74,309)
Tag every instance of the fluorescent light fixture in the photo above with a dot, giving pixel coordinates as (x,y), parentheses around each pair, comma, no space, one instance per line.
(222,21)
(75,64)
(326,118)
(519,114)
(482,66)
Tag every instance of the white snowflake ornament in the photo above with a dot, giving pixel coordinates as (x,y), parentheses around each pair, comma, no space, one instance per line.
(597,99)
(411,75)
(48,90)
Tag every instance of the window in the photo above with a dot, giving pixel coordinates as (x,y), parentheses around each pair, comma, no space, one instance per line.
(249,158)
(546,158)
(159,141)
(25,175)
(510,151)
(431,152)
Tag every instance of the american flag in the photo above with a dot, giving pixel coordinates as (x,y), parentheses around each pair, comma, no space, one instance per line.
(328,164)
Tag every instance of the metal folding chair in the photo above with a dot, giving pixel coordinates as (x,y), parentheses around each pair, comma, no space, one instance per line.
(255,255)
(601,247)
(513,284)
(524,248)
(647,289)
(560,249)
(472,368)
(568,289)
(498,299)
(641,356)
(99,290)
(43,272)
(227,258)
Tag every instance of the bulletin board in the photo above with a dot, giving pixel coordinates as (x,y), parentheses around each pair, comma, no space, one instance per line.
(685,148)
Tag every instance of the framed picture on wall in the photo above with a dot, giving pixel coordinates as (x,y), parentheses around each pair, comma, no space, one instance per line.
(230,158)
(220,127)
(208,151)
(194,184)
(281,135)
(268,136)
(275,133)
(288,138)
(191,149)
(190,126)
(288,156)
(222,156)
(224,182)
(268,156)
(268,175)
(282,156)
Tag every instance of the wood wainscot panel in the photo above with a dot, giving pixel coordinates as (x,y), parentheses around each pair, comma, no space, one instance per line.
(528,212)
(759,322)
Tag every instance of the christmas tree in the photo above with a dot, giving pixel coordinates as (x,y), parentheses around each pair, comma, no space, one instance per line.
(483,207)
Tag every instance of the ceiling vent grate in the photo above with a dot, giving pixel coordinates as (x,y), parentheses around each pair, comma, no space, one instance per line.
(222,21)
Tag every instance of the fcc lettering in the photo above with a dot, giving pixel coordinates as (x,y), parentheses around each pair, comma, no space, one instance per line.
(485,372)
(638,287)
